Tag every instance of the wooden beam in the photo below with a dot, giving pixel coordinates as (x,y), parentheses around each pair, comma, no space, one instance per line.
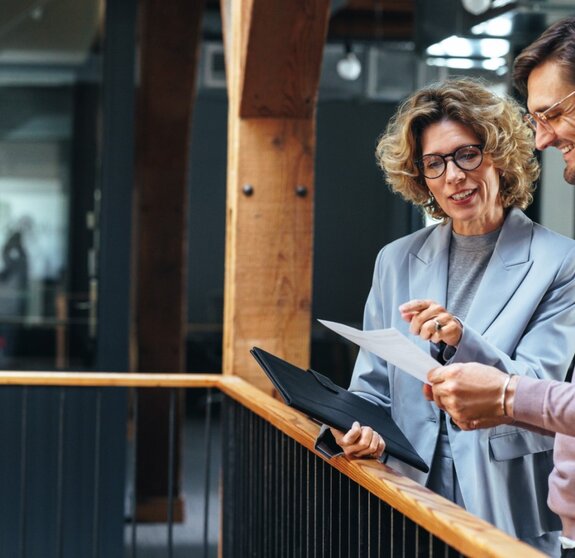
(374,20)
(269,245)
(272,86)
(169,45)
(382,5)
(360,25)
(281,58)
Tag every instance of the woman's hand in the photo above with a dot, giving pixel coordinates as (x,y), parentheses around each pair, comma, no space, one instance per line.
(432,322)
(359,441)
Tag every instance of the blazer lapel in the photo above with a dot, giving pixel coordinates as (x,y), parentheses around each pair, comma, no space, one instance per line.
(428,267)
(428,276)
(506,270)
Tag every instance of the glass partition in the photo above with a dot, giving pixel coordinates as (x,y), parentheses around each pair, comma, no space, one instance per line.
(50,97)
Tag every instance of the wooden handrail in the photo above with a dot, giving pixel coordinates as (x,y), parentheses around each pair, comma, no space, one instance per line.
(110,379)
(460,529)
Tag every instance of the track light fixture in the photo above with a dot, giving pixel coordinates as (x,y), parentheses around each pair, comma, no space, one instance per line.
(476,7)
(349,67)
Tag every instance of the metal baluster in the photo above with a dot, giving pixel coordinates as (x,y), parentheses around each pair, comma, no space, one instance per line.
(368,526)
(315,505)
(359,510)
(23,469)
(331,473)
(207,464)
(339,518)
(279,491)
(134,520)
(379,528)
(171,446)
(97,449)
(391,531)
(262,486)
(60,475)
(267,491)
(403,535)
(257,486)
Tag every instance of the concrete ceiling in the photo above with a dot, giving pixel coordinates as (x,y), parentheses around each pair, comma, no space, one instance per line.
(48,31)
(64,31)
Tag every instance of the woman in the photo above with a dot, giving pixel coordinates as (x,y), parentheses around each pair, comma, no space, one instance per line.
(486,284)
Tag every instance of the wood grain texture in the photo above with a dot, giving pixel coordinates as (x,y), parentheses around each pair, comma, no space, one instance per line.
(273,60)
(383,5)
(269,245)
(109,379)
(281,58)
(169,38)
(379,20)
(468,534)
(169,46)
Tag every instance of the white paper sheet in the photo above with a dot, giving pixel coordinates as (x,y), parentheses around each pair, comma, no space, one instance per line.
(390,345)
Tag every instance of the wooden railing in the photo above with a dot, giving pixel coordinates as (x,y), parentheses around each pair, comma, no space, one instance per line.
(429,512)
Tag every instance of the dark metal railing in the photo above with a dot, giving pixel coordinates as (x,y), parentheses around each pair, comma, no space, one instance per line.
(282,500)
(65,451)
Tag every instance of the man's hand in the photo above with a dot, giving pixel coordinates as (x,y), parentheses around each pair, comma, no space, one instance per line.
(471,393)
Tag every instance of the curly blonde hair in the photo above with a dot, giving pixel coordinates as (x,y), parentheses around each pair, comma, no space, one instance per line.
(497,122)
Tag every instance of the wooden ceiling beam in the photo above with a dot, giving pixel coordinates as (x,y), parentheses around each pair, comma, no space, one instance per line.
(387,6)
(374,20)
(281,58)
(362,25)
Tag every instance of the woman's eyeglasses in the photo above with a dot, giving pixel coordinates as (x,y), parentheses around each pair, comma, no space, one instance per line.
(545,119)
(467,158)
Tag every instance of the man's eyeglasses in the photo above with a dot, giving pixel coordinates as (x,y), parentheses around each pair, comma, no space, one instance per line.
(546,118)
(467,158)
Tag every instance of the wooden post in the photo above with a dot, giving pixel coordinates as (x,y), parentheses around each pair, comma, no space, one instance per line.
(273,59)
(169,44)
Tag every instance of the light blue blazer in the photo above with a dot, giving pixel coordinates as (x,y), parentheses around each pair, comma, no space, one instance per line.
(521,320)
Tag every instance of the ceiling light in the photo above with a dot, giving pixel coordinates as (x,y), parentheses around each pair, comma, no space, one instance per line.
(493,48)
(452,46)
(456,63)
(476,7)
(349,67)
(37,13)
(497,27)
(493,64)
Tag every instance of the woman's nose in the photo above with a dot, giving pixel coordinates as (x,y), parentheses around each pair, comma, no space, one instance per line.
(452,171)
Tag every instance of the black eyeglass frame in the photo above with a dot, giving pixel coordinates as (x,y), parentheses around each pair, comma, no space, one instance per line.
(421,167)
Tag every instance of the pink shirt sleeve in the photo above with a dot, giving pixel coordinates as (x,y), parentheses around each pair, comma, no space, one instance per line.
(546,404)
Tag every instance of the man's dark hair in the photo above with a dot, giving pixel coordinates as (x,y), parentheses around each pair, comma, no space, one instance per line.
(557,44)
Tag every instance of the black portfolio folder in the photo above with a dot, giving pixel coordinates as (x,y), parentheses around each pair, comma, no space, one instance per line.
(317,396)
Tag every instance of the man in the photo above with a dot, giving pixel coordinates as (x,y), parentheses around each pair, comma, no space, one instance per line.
(478,396)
